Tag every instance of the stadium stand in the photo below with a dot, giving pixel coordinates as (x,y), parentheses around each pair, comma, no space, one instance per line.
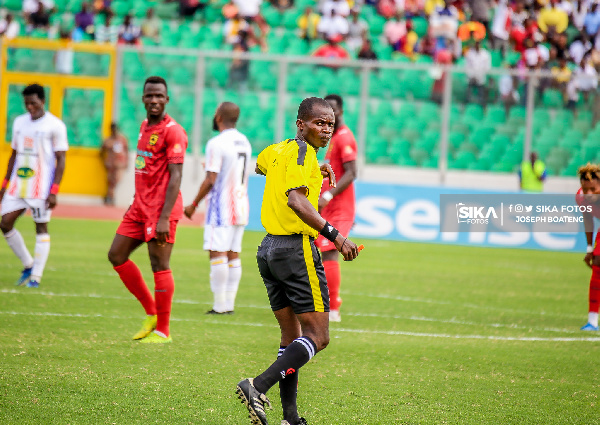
(403,117)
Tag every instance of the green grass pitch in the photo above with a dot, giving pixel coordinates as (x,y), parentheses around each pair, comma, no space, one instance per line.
(430,334)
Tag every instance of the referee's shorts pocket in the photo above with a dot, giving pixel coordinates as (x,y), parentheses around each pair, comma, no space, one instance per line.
(283,262)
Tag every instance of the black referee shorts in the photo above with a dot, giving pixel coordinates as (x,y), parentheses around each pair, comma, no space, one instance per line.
(293,273)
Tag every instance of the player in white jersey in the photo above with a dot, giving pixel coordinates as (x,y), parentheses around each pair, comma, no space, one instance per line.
(33,175)
(226,190)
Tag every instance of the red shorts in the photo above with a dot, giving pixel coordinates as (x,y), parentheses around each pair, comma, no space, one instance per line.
(144,230)
(343,226)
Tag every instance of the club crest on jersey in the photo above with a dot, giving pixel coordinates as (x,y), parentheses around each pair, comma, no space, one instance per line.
(25,172)
(140,163)
(153,139)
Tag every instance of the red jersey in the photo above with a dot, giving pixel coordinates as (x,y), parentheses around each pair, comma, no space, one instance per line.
(581,201)
(158,146)
(342,148)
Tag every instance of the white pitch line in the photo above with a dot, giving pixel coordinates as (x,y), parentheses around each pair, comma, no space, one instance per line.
(375,315)
(333,330)
(471,306)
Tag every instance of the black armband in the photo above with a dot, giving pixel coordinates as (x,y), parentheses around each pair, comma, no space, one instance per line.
(329,232)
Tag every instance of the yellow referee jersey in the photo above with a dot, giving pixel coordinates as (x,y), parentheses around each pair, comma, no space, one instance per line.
(288,165)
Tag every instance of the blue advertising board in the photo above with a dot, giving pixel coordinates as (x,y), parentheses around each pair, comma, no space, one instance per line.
(412,213)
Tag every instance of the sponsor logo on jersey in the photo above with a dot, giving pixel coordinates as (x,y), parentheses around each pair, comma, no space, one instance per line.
(28,142)
(144,153)
(140,163)
(153,139)
(25,172)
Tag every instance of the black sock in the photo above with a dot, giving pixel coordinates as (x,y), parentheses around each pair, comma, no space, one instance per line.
(296,355)
(288,392)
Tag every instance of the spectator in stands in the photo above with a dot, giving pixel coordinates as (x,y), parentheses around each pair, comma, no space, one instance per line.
(84,20)
(250,11)
(229,10)
(332,50)
(431,5)
(426,46)
(478,64)
(532,174)
(561,43)
(151,26)
(394,30)
(501,26)
(442,57)
(410,8)
(585,77)
(240,68)
(508,87)
(102,6)
(553,20)
(107,33)
(408,43)
(387,8)
(579,47)
(63,59)
(443,23)
(308,24)
(534,55)
(579,13)
(357,30)
(333,25)
(282,5)
(232,28)
(366,51)
(32,6)
(129,33)
(339,7)
(591,22)
(9,28)
(480,12)
(40,18)
(562,76)
(188,8)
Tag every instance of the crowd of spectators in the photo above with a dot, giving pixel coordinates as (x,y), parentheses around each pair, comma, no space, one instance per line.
(561,37)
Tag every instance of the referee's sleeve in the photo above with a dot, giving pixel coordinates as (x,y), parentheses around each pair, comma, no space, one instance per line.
(296,174)
(262,160)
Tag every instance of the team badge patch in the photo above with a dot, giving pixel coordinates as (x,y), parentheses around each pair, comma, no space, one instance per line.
(140,163)
(177,148)
(153,139)
(25,172)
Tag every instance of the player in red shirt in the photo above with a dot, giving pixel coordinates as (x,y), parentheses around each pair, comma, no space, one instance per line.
(589,196)
(154,213)
(337,205)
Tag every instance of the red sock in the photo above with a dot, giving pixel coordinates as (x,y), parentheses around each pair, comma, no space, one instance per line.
(132,278)
(595,289)
(164,286)
(334,278)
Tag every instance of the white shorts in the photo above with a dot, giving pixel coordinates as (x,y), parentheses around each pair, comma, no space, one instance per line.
(223,238)
(38,209)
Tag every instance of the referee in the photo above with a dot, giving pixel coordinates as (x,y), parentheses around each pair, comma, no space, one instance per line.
(288,260)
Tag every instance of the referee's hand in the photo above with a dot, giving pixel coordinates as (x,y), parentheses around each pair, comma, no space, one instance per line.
(346,247)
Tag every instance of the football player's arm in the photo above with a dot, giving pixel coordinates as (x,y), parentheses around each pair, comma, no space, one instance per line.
(588,225)
(300,204)
(205,187)
(259,171)
(9,170)
(345,181)
(162,227)
(61,161)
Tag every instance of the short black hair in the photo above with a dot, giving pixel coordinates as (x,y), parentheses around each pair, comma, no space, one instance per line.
(155,79)
(35,89)
(306,107)
(338,99)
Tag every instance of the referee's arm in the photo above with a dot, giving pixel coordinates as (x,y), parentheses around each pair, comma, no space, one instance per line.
(300,204)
